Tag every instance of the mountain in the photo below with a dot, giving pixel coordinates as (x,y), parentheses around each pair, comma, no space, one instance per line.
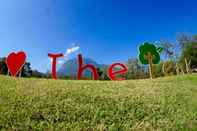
(70,67)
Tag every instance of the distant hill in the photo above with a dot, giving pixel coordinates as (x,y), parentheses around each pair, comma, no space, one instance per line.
(70,67)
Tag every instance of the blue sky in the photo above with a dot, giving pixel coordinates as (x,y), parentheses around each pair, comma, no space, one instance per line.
(105,30)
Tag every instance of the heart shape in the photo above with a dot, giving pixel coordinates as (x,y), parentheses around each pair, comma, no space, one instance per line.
(15,62)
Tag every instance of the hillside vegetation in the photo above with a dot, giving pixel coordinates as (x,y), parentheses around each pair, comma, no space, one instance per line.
(168,103)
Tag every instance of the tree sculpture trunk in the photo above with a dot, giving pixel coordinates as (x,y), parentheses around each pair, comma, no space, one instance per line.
(8,73)
(163,68)
(20,73)
(150,61)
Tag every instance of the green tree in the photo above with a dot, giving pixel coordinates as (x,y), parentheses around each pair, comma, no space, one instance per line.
(188,47)
(103,73)
(100,73)
(149,55)
(26,71)
(3,66)
(183,39)
(189,53)
(169,55)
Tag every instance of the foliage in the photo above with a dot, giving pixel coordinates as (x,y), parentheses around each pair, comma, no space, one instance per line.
(104,75)
(3,66)
(100,73)
(157,70)
(183,39)
(170,68)
(190,53)
(26,71)
(149,48)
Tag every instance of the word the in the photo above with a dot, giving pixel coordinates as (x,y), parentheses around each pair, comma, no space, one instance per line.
(82,67)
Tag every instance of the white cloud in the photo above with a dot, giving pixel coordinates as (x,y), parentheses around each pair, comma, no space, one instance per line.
(69,51)
(60,61)
(51,60)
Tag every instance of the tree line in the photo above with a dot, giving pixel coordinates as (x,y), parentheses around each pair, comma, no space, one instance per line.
(178,58)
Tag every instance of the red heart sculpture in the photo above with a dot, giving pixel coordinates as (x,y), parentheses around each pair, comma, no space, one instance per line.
(15,62)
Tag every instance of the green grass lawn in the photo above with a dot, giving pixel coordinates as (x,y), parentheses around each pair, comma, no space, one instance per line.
(38,104)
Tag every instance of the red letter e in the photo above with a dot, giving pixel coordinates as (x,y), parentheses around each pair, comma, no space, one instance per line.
(112,74)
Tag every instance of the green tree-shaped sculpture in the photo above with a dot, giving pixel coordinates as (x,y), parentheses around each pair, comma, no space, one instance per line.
(149,54)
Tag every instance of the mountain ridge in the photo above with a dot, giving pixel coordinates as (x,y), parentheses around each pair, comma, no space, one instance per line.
(70,67)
